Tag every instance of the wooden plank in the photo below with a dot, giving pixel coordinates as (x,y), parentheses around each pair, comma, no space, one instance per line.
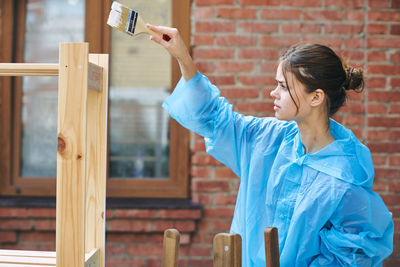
(271,247)
(71,154)
(21,265)
(97,162)
(170,255)
(28,69)
(95,77)
(27,253)
(227,250)
(28,260)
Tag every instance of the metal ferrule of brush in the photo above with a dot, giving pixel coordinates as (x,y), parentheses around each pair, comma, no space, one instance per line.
(130,25)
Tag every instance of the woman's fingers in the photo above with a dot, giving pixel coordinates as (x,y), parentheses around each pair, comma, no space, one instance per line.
(163,30)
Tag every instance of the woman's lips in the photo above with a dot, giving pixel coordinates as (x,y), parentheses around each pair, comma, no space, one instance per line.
(276,107)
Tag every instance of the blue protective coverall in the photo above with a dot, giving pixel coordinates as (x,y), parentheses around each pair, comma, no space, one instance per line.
(321,203)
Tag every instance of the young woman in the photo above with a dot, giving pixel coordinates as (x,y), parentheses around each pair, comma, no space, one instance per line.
(301,171)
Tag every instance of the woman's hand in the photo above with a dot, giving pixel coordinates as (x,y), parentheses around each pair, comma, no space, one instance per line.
(176,47)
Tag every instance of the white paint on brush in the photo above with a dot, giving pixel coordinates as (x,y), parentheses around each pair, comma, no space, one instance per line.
(114,19)
(117,7)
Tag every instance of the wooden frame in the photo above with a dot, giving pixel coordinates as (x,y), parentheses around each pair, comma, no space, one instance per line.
(11,184)
(81,158)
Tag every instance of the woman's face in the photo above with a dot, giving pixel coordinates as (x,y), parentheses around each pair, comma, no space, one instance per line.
(285,108)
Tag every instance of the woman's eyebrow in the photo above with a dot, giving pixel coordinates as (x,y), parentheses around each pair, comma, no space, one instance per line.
(279,81)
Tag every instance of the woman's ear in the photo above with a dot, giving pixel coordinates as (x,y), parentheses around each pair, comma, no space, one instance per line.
(318,98)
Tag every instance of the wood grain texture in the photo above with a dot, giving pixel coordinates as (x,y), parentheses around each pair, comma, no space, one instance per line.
(28,69)
(97,161)
(227,250)
(271,247)
(71,154)
(170,255)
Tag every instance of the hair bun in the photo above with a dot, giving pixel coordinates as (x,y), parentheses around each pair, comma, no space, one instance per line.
(355,79)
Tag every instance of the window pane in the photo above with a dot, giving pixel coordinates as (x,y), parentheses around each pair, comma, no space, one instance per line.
(48,22)
(140,81)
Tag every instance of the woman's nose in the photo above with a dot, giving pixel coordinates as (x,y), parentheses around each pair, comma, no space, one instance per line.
(274,93)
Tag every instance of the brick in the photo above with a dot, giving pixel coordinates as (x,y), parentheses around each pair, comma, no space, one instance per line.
(380,15)
(202,198)
(301,28)
(199,147)
(145,250)
(127,237)
(37,237)
(395,29)
(375,82)
(379,160)
(343,28)
(14,224)
(126,262)
(383,42)
(259,2)
(322,15)
(378,3)
(215,26)
(331,41)
(236,13)
(252,53)
(278,41)
(344,3)
(220,80)
(115,250)
(214,2)
(394,135)
(269,67)
(394,109)
(234,66)
(258,27)
(277,14)
(134,213)
(181,214)
(204,159)
(354,15)
(394,161)
(129,226)
(205,67)
(8,237)
(203,39)
(376,56)
(200,172)
(395,82)
(352,55)
(200,262)
(218,212)
(384,96)
(377,109)
(225,199)
(235,93)
(216,53)
(377,29)
(13,212)
(185,226)
(236,40)
(354,120)
(302,3)
(395,57)
(222,225)
(255,107)
(395,4)
(353,107)
(379,186)
(210,185)
(384,147)
(257,80)
(41,213)
(224,172)
(203,12)
(384,69)
(383,122)
(354,42)
(387,173)
(391,199)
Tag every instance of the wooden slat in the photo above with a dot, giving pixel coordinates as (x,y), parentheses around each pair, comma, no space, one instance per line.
(71,154)
(271,247)
(21,265)
(95,78)
(28,260)
(227,250)
(28,69)
(96,162)
(170,255)
(27,253)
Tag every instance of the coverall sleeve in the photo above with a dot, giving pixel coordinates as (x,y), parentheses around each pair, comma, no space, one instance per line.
(196,104)
(360,232)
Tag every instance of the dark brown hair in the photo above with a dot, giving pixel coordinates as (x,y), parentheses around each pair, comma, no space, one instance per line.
(318,67)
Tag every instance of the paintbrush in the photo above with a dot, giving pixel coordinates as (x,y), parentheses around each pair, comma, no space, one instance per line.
(128,20)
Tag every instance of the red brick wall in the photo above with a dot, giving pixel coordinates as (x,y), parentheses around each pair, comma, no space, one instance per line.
(237,43)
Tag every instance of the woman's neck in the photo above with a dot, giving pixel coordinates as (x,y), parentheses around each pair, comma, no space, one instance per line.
(315,134)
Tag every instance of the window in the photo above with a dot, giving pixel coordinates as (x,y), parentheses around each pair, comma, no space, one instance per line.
(148,153)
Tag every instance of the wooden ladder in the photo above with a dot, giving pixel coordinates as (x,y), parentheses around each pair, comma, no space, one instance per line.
(81,158)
